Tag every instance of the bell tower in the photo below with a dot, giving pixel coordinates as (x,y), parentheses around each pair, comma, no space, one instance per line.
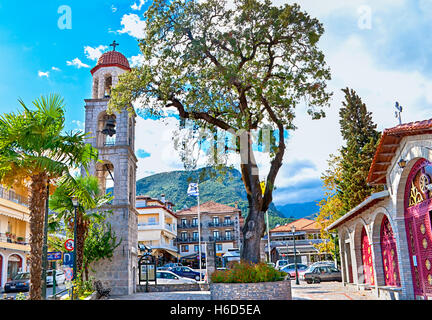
(114,137)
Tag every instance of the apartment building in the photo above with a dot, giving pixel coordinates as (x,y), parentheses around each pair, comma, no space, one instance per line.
(157,227)
(14,234)
(307,235)
(220,224)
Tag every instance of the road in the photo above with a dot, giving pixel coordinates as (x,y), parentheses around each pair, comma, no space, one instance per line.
(49,292)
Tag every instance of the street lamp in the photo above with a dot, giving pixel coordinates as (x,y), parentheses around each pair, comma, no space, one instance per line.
(293,229)
(75,205)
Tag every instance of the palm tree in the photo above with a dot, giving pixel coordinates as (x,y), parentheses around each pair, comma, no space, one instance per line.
(35,152)
(61,203)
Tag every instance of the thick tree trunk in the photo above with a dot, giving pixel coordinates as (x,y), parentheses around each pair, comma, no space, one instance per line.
(37,213)
(253,231)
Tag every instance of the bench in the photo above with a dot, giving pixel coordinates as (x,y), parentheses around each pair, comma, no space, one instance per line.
(101,291)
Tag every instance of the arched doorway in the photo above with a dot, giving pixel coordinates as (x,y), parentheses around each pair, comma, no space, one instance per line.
(389,254)
(418,212)
(15,264)
(366,251)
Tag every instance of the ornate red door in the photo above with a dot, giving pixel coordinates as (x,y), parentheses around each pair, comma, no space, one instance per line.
(418,204)
(389,254)
(367,259)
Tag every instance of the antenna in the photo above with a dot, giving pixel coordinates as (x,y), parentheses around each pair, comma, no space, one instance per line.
(398,112)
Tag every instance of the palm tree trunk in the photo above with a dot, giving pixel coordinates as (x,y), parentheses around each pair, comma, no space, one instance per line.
(37,212)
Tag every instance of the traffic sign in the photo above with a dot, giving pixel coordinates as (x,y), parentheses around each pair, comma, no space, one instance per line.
(69,244)
(53,256)
(68,272)
(68,259)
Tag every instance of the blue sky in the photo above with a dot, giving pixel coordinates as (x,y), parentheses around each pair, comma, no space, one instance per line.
(382,49)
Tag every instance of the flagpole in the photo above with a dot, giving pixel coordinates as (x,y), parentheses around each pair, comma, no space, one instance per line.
(199,232)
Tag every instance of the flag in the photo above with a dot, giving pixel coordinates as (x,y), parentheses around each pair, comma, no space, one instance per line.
(193,190)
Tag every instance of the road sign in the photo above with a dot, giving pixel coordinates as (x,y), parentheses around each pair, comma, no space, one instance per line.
(69,244)
(68,259)
(53,256)
(68,272)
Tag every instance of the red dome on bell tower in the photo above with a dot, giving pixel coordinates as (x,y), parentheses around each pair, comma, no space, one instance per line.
(112,59)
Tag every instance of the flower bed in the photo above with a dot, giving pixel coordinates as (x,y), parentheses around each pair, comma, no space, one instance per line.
(246,281)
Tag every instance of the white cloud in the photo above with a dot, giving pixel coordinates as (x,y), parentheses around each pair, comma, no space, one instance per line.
(94,53)
(43,74)
(55,69)
(136,61)
(113,8)
(139,6)
(133,25)
(77,63)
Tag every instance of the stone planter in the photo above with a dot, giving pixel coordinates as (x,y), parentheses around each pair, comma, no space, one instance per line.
(279,290)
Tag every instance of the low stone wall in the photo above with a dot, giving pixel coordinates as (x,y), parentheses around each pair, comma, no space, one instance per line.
(173,287)
(279,290)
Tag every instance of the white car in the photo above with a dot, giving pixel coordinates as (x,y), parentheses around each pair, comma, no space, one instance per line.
(60,277)
(168,277)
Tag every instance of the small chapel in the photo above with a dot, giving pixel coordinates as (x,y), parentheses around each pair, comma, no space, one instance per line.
(385,242)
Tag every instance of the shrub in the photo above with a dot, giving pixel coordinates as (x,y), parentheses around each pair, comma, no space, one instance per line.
(245,272)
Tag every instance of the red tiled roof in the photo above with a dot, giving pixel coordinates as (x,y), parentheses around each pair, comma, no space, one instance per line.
(300,225)
(388,145)
(112,59)
(208,207)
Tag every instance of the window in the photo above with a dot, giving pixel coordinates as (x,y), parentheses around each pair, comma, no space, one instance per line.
(227,220)
(152,220)
(196,248)
(184,235)
(183,222)
(216,234)
(195,222)
(228,235)
(185,248)
(195,236)
(216,220)
(218,247)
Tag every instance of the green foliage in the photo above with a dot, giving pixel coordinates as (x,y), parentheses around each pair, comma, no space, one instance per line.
(361,136)
(245,272)
(100,243)
(83,288)
(20,296)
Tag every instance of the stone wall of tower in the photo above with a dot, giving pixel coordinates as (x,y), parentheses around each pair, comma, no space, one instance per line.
(120,272)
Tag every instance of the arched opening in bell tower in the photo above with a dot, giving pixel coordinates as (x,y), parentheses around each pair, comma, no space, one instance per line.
(105,175)
(106,133)
(108,82)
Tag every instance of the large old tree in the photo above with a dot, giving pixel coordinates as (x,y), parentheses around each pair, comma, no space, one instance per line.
(234,69)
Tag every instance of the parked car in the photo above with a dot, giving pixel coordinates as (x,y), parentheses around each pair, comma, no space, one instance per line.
(21,282)
(281,263)
(169,266)
(323,263)
(168,277)
(187,273)
(290,269)
(271,264)
(60,277)
(316,274)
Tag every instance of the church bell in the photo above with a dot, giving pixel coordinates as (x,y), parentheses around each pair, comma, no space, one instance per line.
(109,128)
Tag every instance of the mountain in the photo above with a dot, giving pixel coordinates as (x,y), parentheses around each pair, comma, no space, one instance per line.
(226,188)
(299,210)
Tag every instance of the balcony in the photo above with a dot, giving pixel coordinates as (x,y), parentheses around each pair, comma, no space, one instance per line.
(220,238)
(221,224)
(188,240)
(188,226)
(11,238)
(12,196)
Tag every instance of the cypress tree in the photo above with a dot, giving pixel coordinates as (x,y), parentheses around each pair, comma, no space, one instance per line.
(359,132)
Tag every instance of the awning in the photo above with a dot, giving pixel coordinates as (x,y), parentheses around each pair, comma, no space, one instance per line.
(299,250)
(171,252)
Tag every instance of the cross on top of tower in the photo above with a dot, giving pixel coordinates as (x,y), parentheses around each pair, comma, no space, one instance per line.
(114,45)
